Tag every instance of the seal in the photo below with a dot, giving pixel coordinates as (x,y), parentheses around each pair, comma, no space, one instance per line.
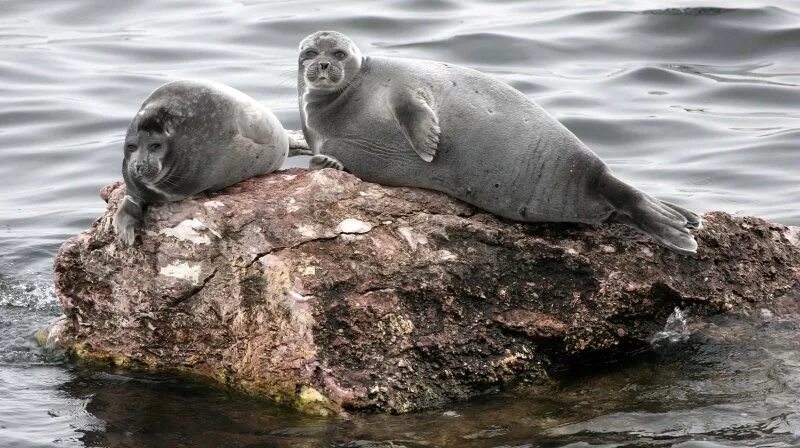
(415,123)
(194,136)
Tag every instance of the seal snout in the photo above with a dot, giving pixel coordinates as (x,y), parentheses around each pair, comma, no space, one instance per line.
(144,170)
(323,73)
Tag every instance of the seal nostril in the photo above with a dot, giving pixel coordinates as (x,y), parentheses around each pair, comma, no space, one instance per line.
(324,65)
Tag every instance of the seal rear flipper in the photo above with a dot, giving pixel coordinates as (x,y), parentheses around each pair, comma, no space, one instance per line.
(677,239)
(294,152)
(666,224)
(418,121)
(693,220)
(298,145)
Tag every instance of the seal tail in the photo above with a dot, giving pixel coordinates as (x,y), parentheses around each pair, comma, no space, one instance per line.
(667,223)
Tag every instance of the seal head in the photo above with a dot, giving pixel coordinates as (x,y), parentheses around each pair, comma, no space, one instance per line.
(328,62)
(147,148)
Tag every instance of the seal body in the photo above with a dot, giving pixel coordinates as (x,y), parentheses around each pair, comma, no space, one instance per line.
(434,125)
(190,137)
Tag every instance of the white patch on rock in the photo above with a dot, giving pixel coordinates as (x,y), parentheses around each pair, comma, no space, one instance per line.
(414,240)
(183,271)
(213,204)
(446,255)
(370,194)
(326,179)
(350,237)
(307,231)
(297,296)
(191,230)
(289,176)
(291,206)
(352,225)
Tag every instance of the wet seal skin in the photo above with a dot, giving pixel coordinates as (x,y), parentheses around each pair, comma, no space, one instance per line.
(195,136)
(415,123)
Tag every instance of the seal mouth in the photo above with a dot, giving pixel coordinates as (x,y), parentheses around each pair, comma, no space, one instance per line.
(146,171)
(324,84)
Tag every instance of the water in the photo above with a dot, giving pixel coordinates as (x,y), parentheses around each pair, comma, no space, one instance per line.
(697,103)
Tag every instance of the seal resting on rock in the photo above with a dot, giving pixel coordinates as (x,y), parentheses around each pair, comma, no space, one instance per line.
(414,123)
(193,136)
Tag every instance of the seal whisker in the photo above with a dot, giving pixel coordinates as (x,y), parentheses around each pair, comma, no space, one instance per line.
(289,79)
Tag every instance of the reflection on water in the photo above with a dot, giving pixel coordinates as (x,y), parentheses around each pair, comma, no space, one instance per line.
(731,381)
(694,102)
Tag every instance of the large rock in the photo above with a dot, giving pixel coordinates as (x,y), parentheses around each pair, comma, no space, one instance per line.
(333,294)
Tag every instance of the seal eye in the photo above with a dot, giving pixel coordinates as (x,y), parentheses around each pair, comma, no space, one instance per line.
(340,54)
(155,146)
(310,54)
(130,148)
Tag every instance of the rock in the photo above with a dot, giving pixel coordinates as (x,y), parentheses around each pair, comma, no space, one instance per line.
(333,295)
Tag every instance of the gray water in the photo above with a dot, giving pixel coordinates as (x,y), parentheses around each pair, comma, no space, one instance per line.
(697,103)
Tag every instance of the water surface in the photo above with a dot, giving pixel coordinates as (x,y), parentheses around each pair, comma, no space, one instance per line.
(697,103)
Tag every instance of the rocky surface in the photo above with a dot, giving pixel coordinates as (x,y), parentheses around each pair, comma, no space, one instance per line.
(333,295)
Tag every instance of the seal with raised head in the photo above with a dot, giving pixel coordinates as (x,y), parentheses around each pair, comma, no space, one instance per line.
(415,123)
(196,136)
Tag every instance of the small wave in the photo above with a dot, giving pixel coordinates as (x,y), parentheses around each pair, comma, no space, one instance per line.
(696,11)
(675,330)
(36,295)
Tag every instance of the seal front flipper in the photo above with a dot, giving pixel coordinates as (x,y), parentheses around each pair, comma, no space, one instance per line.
(321,161)
(128,218)
(417,120)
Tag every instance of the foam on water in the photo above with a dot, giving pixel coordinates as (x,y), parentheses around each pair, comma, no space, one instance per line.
(675,330)
(37,294)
